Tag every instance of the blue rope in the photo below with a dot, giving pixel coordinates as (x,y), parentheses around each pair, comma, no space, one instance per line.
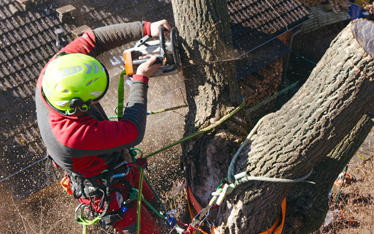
(23,169)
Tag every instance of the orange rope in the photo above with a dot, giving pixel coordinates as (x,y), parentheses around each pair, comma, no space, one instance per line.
(275,229)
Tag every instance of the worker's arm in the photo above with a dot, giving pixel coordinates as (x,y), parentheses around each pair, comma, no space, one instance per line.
(109,37)
(102,39)
(136,107)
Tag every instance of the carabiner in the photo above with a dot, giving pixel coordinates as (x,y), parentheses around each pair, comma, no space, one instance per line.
(79,207)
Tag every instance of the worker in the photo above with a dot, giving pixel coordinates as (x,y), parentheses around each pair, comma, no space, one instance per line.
(77,133)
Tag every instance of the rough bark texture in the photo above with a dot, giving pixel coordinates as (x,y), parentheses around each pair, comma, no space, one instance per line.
(295,139)
(308,204)
(212,92)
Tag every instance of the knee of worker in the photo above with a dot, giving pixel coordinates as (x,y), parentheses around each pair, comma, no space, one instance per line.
(128,224)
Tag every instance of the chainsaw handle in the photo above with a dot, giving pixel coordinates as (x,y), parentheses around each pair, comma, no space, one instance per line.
(141,61)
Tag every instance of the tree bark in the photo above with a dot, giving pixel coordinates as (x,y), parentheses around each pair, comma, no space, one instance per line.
(290,142)
(295,139)
(307,203)
(212,92)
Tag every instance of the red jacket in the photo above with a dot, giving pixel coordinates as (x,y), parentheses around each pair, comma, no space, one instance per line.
(86,144)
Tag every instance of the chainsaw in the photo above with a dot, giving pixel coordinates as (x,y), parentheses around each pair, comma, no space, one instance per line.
(166,52)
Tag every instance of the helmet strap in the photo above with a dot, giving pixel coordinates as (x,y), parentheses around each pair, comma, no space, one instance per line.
(78,103)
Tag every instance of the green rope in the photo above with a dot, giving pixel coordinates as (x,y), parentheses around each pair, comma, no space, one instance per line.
(231,169)
(146,202)
(121,93)
(140,196)
(198,133)
(140,199)
(158,198)
(86,222)
(153,209)
(225,118)
(155,112)
(163,161)
(272,97)
(166,109)
(133,153)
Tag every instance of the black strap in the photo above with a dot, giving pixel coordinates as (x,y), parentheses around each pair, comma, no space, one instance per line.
(109,220)
(79,183)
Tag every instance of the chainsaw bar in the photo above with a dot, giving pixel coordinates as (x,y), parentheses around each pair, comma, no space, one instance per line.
(211,62)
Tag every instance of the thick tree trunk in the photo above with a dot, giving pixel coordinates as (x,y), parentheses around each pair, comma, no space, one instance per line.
(212,92)
(307,204)
(295,139)
(290,142)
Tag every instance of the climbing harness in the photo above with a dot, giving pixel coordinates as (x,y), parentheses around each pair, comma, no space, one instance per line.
(94,194)
(220,193)
(160,111)
(217,197)
(73,183)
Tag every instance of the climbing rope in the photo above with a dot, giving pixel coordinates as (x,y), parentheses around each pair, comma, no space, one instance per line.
(167,147)
(32,164)
(219,195)
(199,132)
(232,164)
(121,94)
(266,101)
(218,200)
(153,112)
(221,191)
(81,219)
(224,189)
(242,178)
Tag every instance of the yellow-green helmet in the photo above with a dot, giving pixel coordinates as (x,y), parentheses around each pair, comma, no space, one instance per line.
(74,81)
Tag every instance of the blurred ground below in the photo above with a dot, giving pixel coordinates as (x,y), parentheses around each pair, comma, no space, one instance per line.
(352,205)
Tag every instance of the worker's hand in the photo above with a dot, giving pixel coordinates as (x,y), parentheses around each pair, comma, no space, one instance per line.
(148,68)
(157,24)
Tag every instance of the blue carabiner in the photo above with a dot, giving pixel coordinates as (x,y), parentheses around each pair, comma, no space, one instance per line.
(171,222)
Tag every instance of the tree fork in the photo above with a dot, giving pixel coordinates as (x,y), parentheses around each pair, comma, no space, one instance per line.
(293,140)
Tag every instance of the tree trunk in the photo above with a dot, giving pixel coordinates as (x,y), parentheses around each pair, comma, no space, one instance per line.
(212,92)
(290,142)
(307,204)
(295,139)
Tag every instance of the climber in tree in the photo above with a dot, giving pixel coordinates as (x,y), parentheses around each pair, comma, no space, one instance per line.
(77,133)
